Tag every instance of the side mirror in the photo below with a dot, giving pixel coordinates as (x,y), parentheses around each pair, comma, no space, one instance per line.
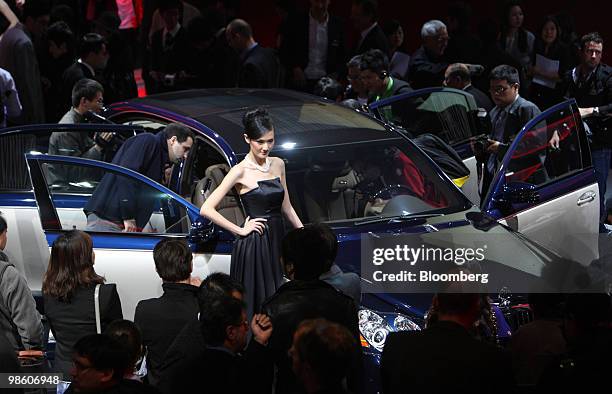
(202,230)
(516,193)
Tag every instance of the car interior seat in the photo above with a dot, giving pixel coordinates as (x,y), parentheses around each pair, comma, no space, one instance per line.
(229,206)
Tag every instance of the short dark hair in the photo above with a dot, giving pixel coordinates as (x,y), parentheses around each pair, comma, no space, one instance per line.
(36,9)
(60,33)
(62,13)
(459,70)
(590,37)
(173,259)
(180,131)
(3,224)
(257,122)
(376,61)
(104,353)
(328,87)
(368,7)
(166,5)
(505,72)
(85,88)
(219,313)
(328,348)
(241,27)
(91,42)
(456,303)
(127,333)
(311,250)
(354,62)
(221,284)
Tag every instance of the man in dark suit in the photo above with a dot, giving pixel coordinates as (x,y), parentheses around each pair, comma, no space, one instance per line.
(169,49)
(305,256)
(260,66)
(510,114)
(445,358)
(93,56)
(458,76)
(161,319)
(371,36)
(313,46)
(428,63)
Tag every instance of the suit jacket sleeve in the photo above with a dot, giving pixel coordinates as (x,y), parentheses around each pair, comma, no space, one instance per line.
(259,368)
(112,308)
(29,86)
(138,155)
(20,303)
(605,110)
(250,77)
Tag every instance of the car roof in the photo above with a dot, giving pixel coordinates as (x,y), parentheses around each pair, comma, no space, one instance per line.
(300,120)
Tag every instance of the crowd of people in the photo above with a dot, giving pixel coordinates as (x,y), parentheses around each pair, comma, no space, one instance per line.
(285,320)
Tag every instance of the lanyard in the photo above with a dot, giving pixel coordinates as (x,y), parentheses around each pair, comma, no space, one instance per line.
(387,92)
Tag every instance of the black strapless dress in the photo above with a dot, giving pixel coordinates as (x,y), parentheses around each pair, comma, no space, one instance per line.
(256,258)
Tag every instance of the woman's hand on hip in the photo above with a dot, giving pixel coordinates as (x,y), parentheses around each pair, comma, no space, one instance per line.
(250,225)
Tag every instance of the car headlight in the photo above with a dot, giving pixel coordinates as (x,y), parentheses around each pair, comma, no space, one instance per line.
(375,328)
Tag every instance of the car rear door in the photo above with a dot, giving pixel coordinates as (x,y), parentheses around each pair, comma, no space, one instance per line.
(124,258)
(448,113)
(550,195)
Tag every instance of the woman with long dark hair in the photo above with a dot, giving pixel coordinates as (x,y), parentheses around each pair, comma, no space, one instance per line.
(261,182)
(515,39)
(68,291)
(547,87)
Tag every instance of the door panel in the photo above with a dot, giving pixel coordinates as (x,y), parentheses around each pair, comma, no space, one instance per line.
(545,186)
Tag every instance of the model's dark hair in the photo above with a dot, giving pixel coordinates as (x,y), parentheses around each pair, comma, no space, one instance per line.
(3,225)
(173,259)
(522,33)
(91,42)
(505,72)
(311,250)
(539,45)
(127,333)
(70,266)
(180,131)
(104,353)
(328,348)
(85,88)
(375,60)
(217,314)
(257,122)
(590,37)
(369,7)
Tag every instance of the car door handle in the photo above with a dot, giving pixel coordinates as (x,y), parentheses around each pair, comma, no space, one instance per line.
(586,198)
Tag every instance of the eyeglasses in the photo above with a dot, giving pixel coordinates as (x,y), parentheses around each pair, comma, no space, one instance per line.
(500,89)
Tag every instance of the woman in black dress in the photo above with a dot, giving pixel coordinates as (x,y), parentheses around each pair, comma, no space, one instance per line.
(260,181)
(68,292)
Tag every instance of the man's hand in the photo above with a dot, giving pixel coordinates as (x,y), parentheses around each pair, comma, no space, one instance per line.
(195,281)
(554,140)
(129,226)
(586,112)
(261,325)
(106,136)
(493,146)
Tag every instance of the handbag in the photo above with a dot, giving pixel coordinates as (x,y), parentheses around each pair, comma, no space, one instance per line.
(97,308)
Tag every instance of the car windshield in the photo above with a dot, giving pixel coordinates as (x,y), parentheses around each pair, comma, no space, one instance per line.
(351,181)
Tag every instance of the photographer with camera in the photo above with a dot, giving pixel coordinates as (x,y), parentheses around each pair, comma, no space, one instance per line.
(87,97)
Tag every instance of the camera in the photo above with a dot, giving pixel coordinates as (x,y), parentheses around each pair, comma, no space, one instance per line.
(480,144)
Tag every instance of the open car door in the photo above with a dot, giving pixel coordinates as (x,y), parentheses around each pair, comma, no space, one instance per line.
(550,195)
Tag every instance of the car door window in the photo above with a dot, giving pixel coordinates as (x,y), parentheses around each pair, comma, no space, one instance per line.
(451,115)
(548,150)
(163,213)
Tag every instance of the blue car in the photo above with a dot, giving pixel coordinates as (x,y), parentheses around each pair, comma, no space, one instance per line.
(356,173)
